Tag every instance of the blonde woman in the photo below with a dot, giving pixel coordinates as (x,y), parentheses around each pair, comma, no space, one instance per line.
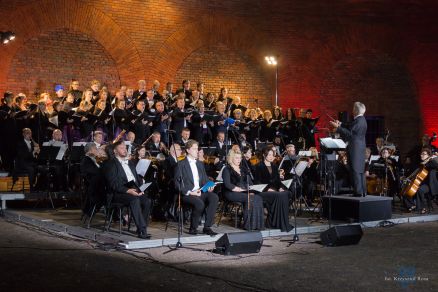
(236,181)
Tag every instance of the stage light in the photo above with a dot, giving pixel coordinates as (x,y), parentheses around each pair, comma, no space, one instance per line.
(7,36)
(272,61)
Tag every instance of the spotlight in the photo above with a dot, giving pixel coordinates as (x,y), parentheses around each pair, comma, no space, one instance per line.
(7,36)
(272,61)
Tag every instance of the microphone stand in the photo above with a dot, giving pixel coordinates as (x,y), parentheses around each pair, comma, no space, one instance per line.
(249,176)
(178,244)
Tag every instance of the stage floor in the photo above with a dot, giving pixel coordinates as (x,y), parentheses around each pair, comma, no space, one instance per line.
(68,221)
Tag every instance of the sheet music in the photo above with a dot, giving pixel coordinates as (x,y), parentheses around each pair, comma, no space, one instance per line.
(303,153)
(143,166)
(219,176)
(287,183)
(77,144)
(62,148)
(258,188)
(143,187)
(54,120)
(300,168)
(374,158)
(61,152)
(333,143)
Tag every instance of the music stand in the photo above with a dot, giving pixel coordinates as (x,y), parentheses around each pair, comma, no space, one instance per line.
(47,156)
(329,146)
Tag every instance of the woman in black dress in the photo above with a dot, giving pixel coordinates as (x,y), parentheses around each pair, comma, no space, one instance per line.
(236,182)
(277,197)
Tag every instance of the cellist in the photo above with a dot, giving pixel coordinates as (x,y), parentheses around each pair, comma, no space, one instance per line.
(429,187)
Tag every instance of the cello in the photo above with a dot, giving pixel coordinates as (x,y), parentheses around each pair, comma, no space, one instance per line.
(414,180)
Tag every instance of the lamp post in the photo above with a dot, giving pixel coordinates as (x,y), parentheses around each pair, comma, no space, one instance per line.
(272,61)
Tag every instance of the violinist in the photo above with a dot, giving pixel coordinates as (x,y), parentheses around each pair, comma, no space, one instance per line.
(185,137)
(429,187)
(389,172)
(289,161)
(276,197)
(58,167)
(236,181)
(92,173)
(310,176)
(155,144)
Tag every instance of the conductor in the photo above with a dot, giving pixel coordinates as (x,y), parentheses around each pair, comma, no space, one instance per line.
(354,135)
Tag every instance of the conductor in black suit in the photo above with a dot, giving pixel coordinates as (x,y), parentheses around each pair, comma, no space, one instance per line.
(190,176)
(355,137)
(124,182)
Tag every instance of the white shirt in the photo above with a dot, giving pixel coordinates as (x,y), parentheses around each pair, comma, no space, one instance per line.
(220,144)
(29,145)
(128,172)
(195,173)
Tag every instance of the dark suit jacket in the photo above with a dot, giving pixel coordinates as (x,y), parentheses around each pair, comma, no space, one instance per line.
(262,176)
(24,157)
(93,176)
(432,179)
(184,171)
(220,151)
(116,178)
(355,136)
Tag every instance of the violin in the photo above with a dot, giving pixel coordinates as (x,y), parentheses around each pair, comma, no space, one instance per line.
(119,136)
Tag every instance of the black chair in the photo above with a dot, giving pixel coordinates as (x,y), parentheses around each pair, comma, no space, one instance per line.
(226,204)
(119,207)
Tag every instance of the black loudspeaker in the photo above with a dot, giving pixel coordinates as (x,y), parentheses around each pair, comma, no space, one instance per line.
(240,242)
(342,235)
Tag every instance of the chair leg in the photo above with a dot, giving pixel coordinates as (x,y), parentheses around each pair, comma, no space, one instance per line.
(110,220)
(120,221)
(91,216)
(222,213)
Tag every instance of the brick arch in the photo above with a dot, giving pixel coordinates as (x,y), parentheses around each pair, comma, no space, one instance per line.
(40,16)
(208,30)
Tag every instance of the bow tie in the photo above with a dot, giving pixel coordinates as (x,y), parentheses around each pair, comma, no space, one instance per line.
(124,161)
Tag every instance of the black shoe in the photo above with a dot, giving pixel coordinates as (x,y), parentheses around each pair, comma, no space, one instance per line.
(209,231)
(193,232)
(144,235)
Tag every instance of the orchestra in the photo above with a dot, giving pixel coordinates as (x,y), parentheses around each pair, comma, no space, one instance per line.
(190,136)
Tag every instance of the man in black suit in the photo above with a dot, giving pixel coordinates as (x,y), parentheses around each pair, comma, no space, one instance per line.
(140,93)
(355,137)
(124,182)
(219,145)
(185,89)
(179,119)
(94,180)
(25,161)
(190,177)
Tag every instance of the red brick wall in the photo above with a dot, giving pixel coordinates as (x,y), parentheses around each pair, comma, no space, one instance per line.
(55,58)
(218,67)
(331,52)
